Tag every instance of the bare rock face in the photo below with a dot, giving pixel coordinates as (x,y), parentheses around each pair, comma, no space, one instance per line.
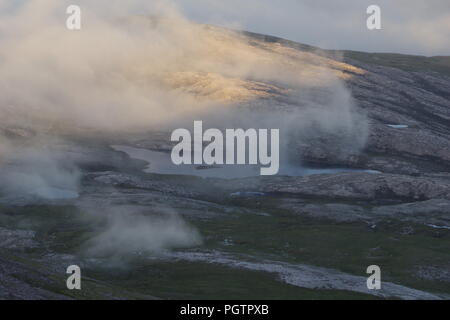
(434,213)
(131,181)
(17,239)
(415,142)
(334,211)
(433,273)
(353,186)
(12,287)
(431,213)
(395,165)
(409,112)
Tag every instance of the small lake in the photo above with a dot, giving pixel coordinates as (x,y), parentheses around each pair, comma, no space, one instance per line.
(161,163)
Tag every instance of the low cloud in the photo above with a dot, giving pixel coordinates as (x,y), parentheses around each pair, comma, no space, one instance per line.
(124,72)
(129,232)
(32,172)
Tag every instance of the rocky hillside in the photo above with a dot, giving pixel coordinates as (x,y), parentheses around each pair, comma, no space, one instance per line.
(407,99)
(67,197)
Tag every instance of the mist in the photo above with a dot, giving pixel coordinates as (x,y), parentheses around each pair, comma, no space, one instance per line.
(127,231)
(122,71)
(138,67)
(125,71)
(31,171)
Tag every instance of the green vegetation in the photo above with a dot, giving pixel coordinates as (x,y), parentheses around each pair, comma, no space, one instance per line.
(440,64)
(281,236)
(403,61)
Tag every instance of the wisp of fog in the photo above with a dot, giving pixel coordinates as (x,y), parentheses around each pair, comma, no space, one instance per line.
(140,65)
